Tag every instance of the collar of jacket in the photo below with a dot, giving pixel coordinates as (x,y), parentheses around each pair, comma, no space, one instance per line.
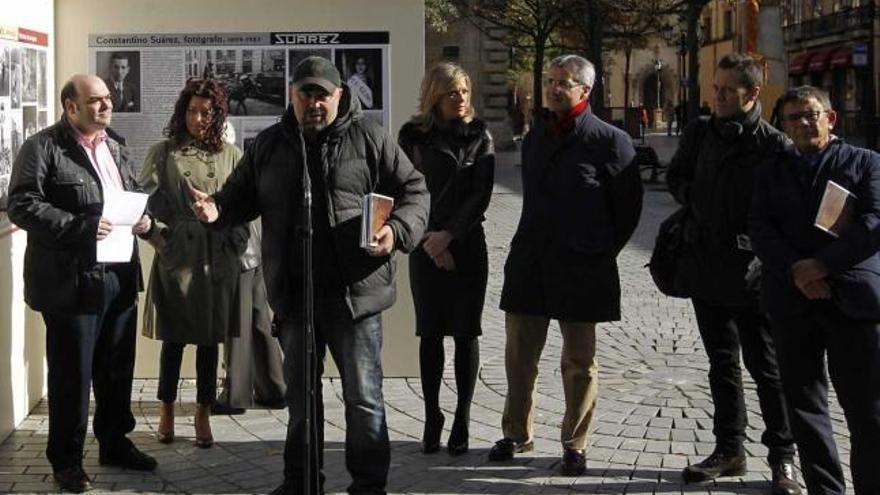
(349,113)
(743,124)
(70,133)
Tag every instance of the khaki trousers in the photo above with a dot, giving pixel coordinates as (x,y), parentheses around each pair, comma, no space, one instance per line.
(526,335)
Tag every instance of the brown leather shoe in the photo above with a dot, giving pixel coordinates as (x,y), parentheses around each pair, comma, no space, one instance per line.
(204,437)
(73,479)
(165,432)
(784,480)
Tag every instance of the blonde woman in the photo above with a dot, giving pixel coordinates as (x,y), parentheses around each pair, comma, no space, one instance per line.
(449,269)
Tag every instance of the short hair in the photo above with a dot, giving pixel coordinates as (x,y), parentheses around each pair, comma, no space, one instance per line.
(804,93)
(68,92)
(580,68)
(438,82)
(120,56)
(751,75)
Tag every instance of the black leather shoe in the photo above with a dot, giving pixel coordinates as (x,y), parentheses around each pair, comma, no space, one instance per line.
(504,449)
(574,462)
(458,438)
(220,408)
(784,480)
(73,479)
(130,459)
(272,403)
(715,466)
(433,429)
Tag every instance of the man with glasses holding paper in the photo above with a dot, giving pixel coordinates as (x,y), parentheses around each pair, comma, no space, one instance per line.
(582,197)
(815,225)
(59,184)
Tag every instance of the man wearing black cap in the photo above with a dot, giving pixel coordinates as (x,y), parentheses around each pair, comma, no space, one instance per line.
(346,157)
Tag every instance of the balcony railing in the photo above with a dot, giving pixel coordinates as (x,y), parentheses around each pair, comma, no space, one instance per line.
(845,21)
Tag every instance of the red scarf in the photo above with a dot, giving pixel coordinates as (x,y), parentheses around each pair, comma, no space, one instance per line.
(561,127)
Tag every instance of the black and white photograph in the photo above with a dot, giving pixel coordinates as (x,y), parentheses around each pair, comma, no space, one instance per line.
(15,78)
(42,79)
(253,78)
(121,71)
(29,74)
(5,151)
(16,139)
(42,119)
(5,60)
(28,120)
(361,69)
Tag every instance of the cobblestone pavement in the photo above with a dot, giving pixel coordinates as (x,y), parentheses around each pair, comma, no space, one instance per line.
(653,416)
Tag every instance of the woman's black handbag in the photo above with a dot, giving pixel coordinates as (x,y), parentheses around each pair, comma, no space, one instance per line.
(671,262)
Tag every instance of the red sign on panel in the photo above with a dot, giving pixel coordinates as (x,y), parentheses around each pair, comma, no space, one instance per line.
(33,37)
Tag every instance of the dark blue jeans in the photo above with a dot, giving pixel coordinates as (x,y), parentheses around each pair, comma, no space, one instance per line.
(356,347)
(92,350)
(852,350)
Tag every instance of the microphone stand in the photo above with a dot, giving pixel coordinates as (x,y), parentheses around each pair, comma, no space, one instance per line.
(310,446)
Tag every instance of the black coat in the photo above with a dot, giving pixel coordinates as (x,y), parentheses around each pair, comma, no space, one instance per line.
(713,173)
(782,228)
(582,197)
(359,158)
(56,196)
(459,166)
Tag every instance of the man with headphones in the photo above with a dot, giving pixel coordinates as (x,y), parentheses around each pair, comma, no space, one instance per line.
(712,174)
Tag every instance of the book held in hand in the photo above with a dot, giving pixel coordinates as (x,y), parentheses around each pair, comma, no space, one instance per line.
(376,209)
(836,210)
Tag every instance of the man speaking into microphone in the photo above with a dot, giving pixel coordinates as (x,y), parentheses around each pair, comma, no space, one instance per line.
(345,157)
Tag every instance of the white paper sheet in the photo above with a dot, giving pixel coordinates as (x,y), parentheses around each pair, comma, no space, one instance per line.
(123,209)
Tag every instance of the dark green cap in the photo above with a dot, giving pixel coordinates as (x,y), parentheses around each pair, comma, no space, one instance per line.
(318,71)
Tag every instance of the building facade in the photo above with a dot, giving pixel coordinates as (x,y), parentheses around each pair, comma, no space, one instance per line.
(832,44)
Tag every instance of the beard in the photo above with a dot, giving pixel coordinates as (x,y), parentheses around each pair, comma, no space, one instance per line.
(311,128)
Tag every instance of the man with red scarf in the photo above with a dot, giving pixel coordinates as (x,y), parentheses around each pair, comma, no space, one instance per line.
(582,197)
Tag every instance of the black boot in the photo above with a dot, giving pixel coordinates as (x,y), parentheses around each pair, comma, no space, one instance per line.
(715,466)
(433,428)
(784,479)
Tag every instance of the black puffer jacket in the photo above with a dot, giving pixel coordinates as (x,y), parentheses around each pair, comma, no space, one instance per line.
(359,157)
(713,172)
(56,196)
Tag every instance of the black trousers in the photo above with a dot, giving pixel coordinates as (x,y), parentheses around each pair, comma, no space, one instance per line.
(92,350)
(170,359)
(727,331)
(852,348)
(253,361)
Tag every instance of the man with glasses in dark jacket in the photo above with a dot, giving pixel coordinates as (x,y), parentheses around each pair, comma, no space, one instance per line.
(821,287)
(712,173)
(347,157)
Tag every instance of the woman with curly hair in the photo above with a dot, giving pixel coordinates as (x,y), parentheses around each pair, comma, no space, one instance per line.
(191,294)
(449,269)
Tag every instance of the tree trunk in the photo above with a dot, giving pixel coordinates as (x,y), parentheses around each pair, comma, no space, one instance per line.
(538,78)
(628,57)
(596,42)
(693,46)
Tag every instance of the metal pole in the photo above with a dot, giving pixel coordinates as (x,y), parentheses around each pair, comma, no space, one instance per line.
(310,433)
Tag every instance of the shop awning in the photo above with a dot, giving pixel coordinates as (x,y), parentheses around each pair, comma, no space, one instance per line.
(820,59)
(797,64)
(842,56)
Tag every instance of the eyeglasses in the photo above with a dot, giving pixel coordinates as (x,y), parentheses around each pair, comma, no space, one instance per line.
(566,84)
(811,116)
